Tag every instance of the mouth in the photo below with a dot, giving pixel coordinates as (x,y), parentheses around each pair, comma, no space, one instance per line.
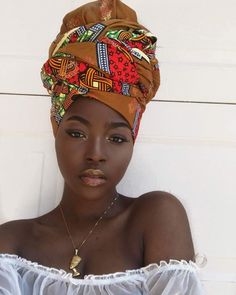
(93,177)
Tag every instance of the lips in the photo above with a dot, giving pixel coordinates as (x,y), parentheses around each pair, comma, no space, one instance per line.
(93,177)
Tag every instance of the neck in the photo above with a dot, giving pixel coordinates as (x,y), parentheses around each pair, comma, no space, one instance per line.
(87,206)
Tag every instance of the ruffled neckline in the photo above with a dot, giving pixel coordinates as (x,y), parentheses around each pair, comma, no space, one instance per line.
(163,265)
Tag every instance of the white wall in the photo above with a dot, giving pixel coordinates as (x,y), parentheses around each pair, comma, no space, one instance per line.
(187,142)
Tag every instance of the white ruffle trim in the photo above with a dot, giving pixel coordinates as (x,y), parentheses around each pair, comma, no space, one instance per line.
(115,277)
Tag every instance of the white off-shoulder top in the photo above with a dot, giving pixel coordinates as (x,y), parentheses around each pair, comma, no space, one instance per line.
(19,276)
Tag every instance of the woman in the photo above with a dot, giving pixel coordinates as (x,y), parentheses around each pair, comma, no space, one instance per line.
(101,72)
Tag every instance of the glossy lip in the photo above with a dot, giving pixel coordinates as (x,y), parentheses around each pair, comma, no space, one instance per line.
(93,177)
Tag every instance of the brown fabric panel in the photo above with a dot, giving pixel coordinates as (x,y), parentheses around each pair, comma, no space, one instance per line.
(90,13)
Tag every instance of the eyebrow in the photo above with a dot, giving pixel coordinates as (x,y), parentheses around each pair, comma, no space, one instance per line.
(111,125)
(80,119)
(118,124)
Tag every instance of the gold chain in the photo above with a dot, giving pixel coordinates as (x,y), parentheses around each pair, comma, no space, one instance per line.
(76,258)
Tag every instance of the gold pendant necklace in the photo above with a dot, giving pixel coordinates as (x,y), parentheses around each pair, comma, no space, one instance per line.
(74,263)
(76,259)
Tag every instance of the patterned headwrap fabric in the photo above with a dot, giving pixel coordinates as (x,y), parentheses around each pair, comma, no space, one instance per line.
(102,52)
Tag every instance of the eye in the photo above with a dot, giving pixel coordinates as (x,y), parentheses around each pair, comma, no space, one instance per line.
(117,139)
(76,134)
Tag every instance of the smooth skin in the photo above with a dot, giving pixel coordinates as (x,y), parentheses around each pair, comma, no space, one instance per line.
(134,233)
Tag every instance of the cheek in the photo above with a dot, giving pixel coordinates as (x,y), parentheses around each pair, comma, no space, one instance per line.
(121,162)
(67,158)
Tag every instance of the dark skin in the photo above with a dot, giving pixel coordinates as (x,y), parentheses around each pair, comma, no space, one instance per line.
(134,233)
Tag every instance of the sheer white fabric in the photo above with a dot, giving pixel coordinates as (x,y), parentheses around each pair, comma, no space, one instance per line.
(19,276)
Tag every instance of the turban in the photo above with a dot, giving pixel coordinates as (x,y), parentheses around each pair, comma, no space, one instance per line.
(103,53)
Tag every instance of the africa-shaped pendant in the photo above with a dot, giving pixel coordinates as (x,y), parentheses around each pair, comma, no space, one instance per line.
(74,263)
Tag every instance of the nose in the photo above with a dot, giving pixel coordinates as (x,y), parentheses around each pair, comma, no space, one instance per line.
(96,150)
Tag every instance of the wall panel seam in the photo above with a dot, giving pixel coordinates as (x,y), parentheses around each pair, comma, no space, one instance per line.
(153,100)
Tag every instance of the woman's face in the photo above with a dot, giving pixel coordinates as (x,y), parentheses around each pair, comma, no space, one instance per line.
(94,146)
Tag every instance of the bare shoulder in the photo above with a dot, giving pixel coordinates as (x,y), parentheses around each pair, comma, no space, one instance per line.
(155,199)
(161,206)
(12,234)
(165,226)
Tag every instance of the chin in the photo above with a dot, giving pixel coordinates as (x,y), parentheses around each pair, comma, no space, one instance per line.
(90,191)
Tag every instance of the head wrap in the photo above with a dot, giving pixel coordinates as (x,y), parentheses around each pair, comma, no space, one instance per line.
(102,52)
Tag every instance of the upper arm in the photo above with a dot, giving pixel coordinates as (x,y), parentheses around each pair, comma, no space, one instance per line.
(167,233)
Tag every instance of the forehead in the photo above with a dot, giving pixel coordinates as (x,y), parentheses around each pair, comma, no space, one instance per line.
(92,109)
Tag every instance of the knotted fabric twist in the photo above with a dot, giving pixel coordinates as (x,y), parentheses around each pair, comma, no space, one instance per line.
(102,52)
